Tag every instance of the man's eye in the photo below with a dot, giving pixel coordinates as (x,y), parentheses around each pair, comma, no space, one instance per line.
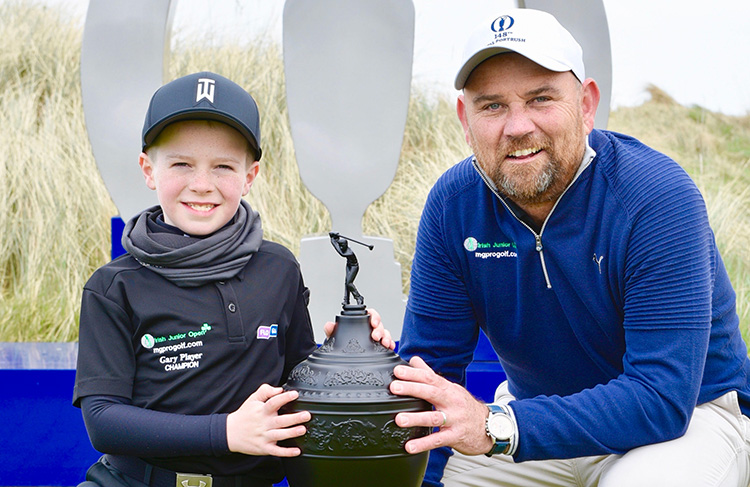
(493,106)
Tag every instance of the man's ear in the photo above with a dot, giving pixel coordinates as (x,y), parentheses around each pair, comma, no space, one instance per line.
(589,103)
(147,168)
(250,175)
(461,111)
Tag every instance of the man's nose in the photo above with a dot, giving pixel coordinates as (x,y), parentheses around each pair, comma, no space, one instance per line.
(518,122)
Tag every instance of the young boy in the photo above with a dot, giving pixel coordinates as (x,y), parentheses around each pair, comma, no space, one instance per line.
(181,337)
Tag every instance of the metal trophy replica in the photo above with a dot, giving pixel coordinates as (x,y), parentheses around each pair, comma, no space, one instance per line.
(352,438)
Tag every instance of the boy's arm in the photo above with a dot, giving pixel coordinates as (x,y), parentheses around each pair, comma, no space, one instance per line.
(117,427)
(299,337)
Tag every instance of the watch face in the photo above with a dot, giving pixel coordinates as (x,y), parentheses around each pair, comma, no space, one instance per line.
(500,426)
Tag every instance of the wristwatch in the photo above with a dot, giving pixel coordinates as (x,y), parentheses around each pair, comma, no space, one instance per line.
(501,428)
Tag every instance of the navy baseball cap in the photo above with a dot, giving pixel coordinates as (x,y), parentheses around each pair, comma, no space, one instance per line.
(203,96)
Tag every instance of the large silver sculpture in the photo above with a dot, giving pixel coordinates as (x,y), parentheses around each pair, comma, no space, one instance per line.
(348,79)
(124,59)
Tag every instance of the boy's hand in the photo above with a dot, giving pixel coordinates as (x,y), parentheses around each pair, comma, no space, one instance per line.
(256,427)
(379,333)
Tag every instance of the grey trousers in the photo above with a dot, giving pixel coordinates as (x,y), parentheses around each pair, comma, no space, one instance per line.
(714,452)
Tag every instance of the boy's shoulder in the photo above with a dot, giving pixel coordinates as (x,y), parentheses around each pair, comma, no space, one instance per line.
(105,275)
(276,249)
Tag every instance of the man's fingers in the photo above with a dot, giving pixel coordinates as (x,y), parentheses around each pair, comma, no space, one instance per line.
(418,371)
(434,419)
(429,442)
(421,390)
(418,363)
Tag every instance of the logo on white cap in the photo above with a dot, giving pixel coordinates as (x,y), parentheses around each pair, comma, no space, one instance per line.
(206,88)
(502,23)
(534,34)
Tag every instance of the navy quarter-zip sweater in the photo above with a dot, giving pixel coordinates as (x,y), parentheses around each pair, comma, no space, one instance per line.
(612,321)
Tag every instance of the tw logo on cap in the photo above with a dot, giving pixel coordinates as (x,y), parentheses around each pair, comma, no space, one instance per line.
(206,89)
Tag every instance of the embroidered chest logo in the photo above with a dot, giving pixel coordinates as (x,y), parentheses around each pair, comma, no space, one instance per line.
(490,250)
(267,332)
(598,260)
(174,349)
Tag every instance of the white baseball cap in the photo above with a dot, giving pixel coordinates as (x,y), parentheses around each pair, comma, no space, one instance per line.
(534,34)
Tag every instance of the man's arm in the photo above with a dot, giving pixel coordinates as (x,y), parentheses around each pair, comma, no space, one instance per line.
(667,319)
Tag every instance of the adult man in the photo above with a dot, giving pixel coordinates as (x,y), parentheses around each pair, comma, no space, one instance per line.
(588,260)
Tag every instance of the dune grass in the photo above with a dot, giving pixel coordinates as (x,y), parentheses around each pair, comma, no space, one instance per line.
(54,217)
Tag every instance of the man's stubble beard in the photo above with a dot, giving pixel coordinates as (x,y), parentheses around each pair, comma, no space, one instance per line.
(532,183)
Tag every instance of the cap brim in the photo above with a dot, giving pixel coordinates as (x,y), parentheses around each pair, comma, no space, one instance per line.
(483,54)
(199,114)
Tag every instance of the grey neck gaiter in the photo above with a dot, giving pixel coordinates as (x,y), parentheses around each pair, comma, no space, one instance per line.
(191,261)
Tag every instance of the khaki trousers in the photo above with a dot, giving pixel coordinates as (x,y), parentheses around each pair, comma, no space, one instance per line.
(714,452)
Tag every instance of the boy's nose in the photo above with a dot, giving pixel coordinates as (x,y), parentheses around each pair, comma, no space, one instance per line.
(201,182)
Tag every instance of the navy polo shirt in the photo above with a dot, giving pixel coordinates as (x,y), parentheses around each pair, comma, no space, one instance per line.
(199,350)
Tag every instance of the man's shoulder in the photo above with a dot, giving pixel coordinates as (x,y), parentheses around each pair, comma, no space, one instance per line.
(638,173)
(625,153)
(456,179)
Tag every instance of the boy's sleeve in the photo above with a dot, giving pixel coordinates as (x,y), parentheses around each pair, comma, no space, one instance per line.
(106,358)
(117,427)
(300,338)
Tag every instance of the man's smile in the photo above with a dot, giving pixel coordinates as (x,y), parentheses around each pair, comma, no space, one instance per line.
(522,154)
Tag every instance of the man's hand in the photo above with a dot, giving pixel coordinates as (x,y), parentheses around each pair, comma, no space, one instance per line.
(379,333)
(460,417)
(256,426)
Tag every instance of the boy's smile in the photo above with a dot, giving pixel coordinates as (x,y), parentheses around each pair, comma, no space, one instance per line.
(200,171)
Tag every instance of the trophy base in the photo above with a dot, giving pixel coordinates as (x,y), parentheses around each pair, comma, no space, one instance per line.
(395,471)
(354,310)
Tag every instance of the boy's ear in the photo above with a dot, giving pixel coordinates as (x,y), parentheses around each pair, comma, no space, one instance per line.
(147,168)
(252,172)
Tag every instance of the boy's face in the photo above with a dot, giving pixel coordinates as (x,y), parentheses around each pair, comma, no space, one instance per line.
(200,171)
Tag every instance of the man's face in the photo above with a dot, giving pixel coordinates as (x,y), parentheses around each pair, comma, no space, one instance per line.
(527,125)
(200,171)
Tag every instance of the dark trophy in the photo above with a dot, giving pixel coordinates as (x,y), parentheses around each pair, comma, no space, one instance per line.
(352,439)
